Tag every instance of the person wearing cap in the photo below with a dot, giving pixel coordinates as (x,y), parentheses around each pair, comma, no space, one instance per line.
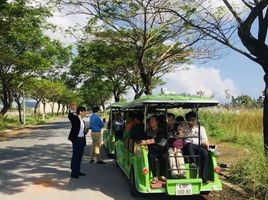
(96,125)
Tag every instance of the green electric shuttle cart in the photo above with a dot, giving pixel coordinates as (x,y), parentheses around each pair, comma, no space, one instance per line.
(132,158)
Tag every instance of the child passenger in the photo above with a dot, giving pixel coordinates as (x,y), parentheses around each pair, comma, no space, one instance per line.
(176,160)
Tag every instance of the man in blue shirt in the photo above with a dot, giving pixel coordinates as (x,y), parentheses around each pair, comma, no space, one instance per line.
(95,124)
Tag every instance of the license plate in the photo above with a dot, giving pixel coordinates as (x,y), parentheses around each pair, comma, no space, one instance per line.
(184,189)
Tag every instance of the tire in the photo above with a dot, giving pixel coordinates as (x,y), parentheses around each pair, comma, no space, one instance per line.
(133,189)
(116,163)
(108,154)
(205,193)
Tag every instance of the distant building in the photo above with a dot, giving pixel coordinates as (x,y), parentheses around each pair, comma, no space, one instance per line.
(165,91)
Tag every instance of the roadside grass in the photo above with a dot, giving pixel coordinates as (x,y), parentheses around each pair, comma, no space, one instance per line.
(251,173)
(242,126)
(9,122)
(245,128)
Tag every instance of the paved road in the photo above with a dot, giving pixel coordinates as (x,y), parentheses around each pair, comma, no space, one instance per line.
(36,167)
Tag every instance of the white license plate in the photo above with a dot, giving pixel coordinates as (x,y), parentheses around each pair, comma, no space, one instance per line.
(184,189)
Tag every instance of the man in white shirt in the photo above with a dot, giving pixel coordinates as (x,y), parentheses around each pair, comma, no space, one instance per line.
(77,137)
(193,147)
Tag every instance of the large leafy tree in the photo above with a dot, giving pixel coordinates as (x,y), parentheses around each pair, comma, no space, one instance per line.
(224,22)
(24,49)
(158,47)
(95,92)
(102,61)
(56,94)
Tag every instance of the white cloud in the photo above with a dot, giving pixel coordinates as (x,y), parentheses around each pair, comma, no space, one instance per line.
(213,4)
(65,22)
(199,78)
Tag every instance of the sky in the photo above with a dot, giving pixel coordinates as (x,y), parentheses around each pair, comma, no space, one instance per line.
(234,72)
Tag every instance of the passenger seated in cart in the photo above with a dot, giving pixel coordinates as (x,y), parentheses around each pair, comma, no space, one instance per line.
(192,146)
(176,159)
(130,121)
(118,125)
(172,126)
(137,131)
(157,149)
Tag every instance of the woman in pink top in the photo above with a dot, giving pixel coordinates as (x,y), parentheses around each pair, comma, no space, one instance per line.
(176,160)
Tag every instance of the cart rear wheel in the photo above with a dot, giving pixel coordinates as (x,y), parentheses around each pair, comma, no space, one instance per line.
(133,189)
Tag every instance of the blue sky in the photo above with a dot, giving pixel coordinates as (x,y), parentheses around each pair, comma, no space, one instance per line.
(246,74)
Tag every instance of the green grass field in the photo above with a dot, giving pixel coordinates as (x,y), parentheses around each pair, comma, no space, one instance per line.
(242,126)
(245,128)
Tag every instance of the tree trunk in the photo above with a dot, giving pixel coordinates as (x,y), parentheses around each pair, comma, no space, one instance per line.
(6,107)
(63,110)
(116,93)
(19,110)
(52,111)
(58,110)
(116,97)
(17,97)
(103,106)
(147,82)
(7,99)
(44,110)
(138,94)
(148,88)
(265,115)
(35,109)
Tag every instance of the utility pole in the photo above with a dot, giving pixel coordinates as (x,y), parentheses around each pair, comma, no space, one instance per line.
(24,109)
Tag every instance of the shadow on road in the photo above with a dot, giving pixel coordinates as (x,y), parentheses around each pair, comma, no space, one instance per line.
(47,165)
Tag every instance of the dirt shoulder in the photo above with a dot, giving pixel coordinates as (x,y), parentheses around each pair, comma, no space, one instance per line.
(15,132)
(230,153)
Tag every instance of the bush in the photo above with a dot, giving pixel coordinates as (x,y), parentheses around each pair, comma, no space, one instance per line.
(8,122)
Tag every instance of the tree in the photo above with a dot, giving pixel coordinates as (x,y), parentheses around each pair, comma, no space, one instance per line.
(222,21)
(244,101)
(228,96)
(39,90)
(24,49)
(158,47)
(103,61)
(95,92)
(58,89)
(18,90)
(201,93)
